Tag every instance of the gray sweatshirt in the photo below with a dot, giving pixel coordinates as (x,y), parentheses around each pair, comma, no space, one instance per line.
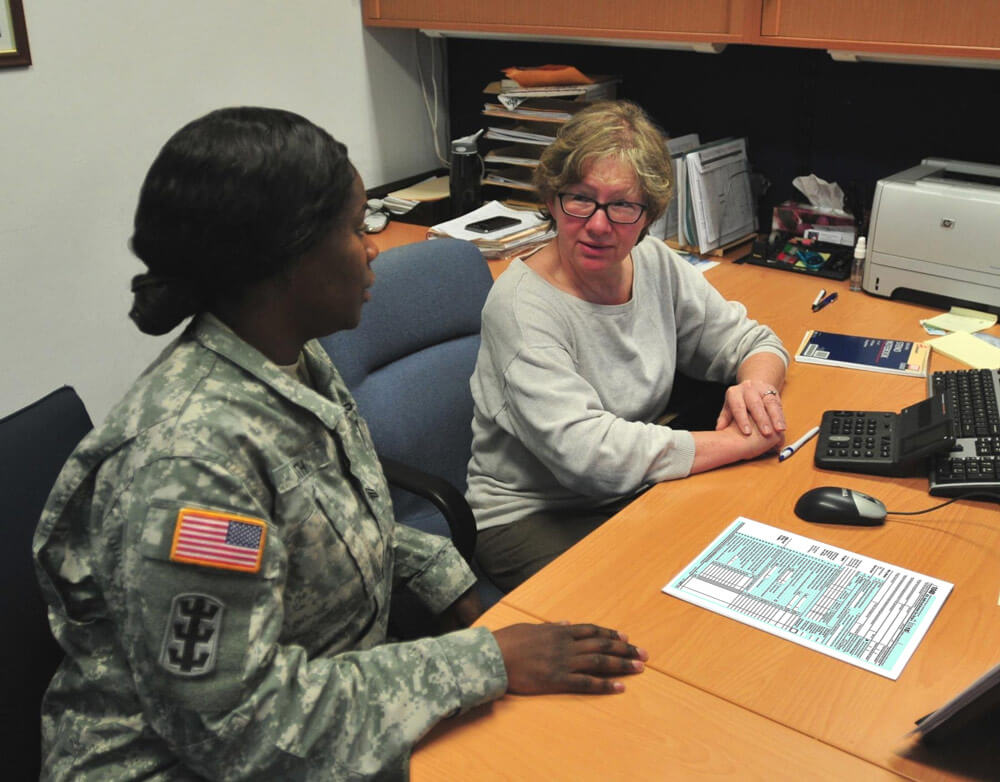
(565,390)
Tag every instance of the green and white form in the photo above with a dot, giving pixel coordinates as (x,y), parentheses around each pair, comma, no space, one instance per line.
(852,607)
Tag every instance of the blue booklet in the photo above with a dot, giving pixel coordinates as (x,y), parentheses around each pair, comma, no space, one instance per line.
(896,356)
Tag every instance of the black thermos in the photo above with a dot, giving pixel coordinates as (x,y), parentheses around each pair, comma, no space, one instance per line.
(465,186)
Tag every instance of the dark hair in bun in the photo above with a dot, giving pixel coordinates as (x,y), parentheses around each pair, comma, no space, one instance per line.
(233,198)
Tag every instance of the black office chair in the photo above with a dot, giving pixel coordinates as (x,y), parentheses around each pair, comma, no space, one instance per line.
(34,444)
(408,365)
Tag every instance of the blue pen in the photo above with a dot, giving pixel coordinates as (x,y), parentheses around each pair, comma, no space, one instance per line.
(788,450)
(827,300)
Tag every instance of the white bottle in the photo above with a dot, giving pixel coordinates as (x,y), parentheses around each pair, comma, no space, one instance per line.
(858,267)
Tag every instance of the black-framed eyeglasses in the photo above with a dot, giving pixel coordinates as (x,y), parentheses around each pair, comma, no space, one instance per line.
(622,212)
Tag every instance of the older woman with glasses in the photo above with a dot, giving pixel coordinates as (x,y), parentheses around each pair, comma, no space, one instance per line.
(580,345)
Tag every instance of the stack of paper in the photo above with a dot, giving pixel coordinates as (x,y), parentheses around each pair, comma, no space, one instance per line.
(963,343)
(523,134)
(397,205)
(967,348)
(511,94)
(519,178)
(536,109)
(666,226)
(532,229)
(402,201)
(526,119)
(515,154)
(960,319)
(714,203)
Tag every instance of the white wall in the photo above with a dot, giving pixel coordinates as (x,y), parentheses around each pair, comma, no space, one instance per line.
(111,80)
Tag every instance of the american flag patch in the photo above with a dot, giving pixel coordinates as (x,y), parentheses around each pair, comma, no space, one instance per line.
(219,540)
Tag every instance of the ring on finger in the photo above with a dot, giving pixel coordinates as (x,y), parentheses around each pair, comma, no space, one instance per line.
(768,393)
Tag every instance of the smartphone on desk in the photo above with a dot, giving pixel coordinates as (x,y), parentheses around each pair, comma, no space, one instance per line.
(491,224)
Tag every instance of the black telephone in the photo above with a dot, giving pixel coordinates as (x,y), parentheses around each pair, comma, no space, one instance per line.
(882,443)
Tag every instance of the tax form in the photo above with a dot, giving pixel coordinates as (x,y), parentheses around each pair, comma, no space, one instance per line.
(855,608)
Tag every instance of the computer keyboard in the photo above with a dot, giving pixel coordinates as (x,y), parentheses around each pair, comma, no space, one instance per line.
(973,464)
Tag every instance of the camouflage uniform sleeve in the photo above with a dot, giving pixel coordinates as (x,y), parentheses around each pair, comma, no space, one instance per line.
(431,567)
(210,656)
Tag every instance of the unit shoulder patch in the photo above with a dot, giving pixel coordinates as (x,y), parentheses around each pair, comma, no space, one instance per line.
(191,640)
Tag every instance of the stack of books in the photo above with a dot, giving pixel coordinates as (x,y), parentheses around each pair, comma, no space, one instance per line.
(525,120)
(529,231)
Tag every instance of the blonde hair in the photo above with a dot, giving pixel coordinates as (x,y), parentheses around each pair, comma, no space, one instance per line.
(609,129)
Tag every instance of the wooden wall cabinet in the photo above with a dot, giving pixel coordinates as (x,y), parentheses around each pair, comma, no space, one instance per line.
(965,29)
(715,21)
(962,29)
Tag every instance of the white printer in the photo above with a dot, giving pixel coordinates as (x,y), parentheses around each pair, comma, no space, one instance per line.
(934,235)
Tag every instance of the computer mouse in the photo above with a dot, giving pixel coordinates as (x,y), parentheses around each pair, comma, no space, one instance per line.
(836,505)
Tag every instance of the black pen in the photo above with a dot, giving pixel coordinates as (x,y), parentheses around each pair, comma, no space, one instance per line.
(827,300)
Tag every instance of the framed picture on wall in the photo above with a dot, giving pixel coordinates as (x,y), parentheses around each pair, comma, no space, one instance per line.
(13,35)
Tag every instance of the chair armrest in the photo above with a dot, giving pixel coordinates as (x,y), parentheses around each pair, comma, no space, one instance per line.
(445,497)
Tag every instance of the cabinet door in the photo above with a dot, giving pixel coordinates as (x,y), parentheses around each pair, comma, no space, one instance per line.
(960,28)
(701,20)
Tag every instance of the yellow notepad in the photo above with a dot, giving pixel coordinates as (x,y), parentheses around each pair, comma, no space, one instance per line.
(971,350)
(962,319)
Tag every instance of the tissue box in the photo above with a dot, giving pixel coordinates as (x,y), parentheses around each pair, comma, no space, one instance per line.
(814,222)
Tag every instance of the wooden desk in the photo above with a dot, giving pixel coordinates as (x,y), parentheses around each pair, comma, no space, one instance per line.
(396,234)
(721,699)
(660,728)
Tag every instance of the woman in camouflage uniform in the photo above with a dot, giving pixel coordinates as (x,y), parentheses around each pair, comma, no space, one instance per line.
(218,556)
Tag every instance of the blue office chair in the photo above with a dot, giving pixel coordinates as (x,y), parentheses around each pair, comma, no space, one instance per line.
(34,444)
(408,366)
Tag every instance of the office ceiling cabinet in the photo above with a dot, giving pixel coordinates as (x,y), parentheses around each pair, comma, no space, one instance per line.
(966,29)
(714,21)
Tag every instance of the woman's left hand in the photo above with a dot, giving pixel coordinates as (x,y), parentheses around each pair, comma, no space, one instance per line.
(756,397)
(753,400)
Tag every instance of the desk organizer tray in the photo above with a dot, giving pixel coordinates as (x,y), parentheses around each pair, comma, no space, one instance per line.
(804,256)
